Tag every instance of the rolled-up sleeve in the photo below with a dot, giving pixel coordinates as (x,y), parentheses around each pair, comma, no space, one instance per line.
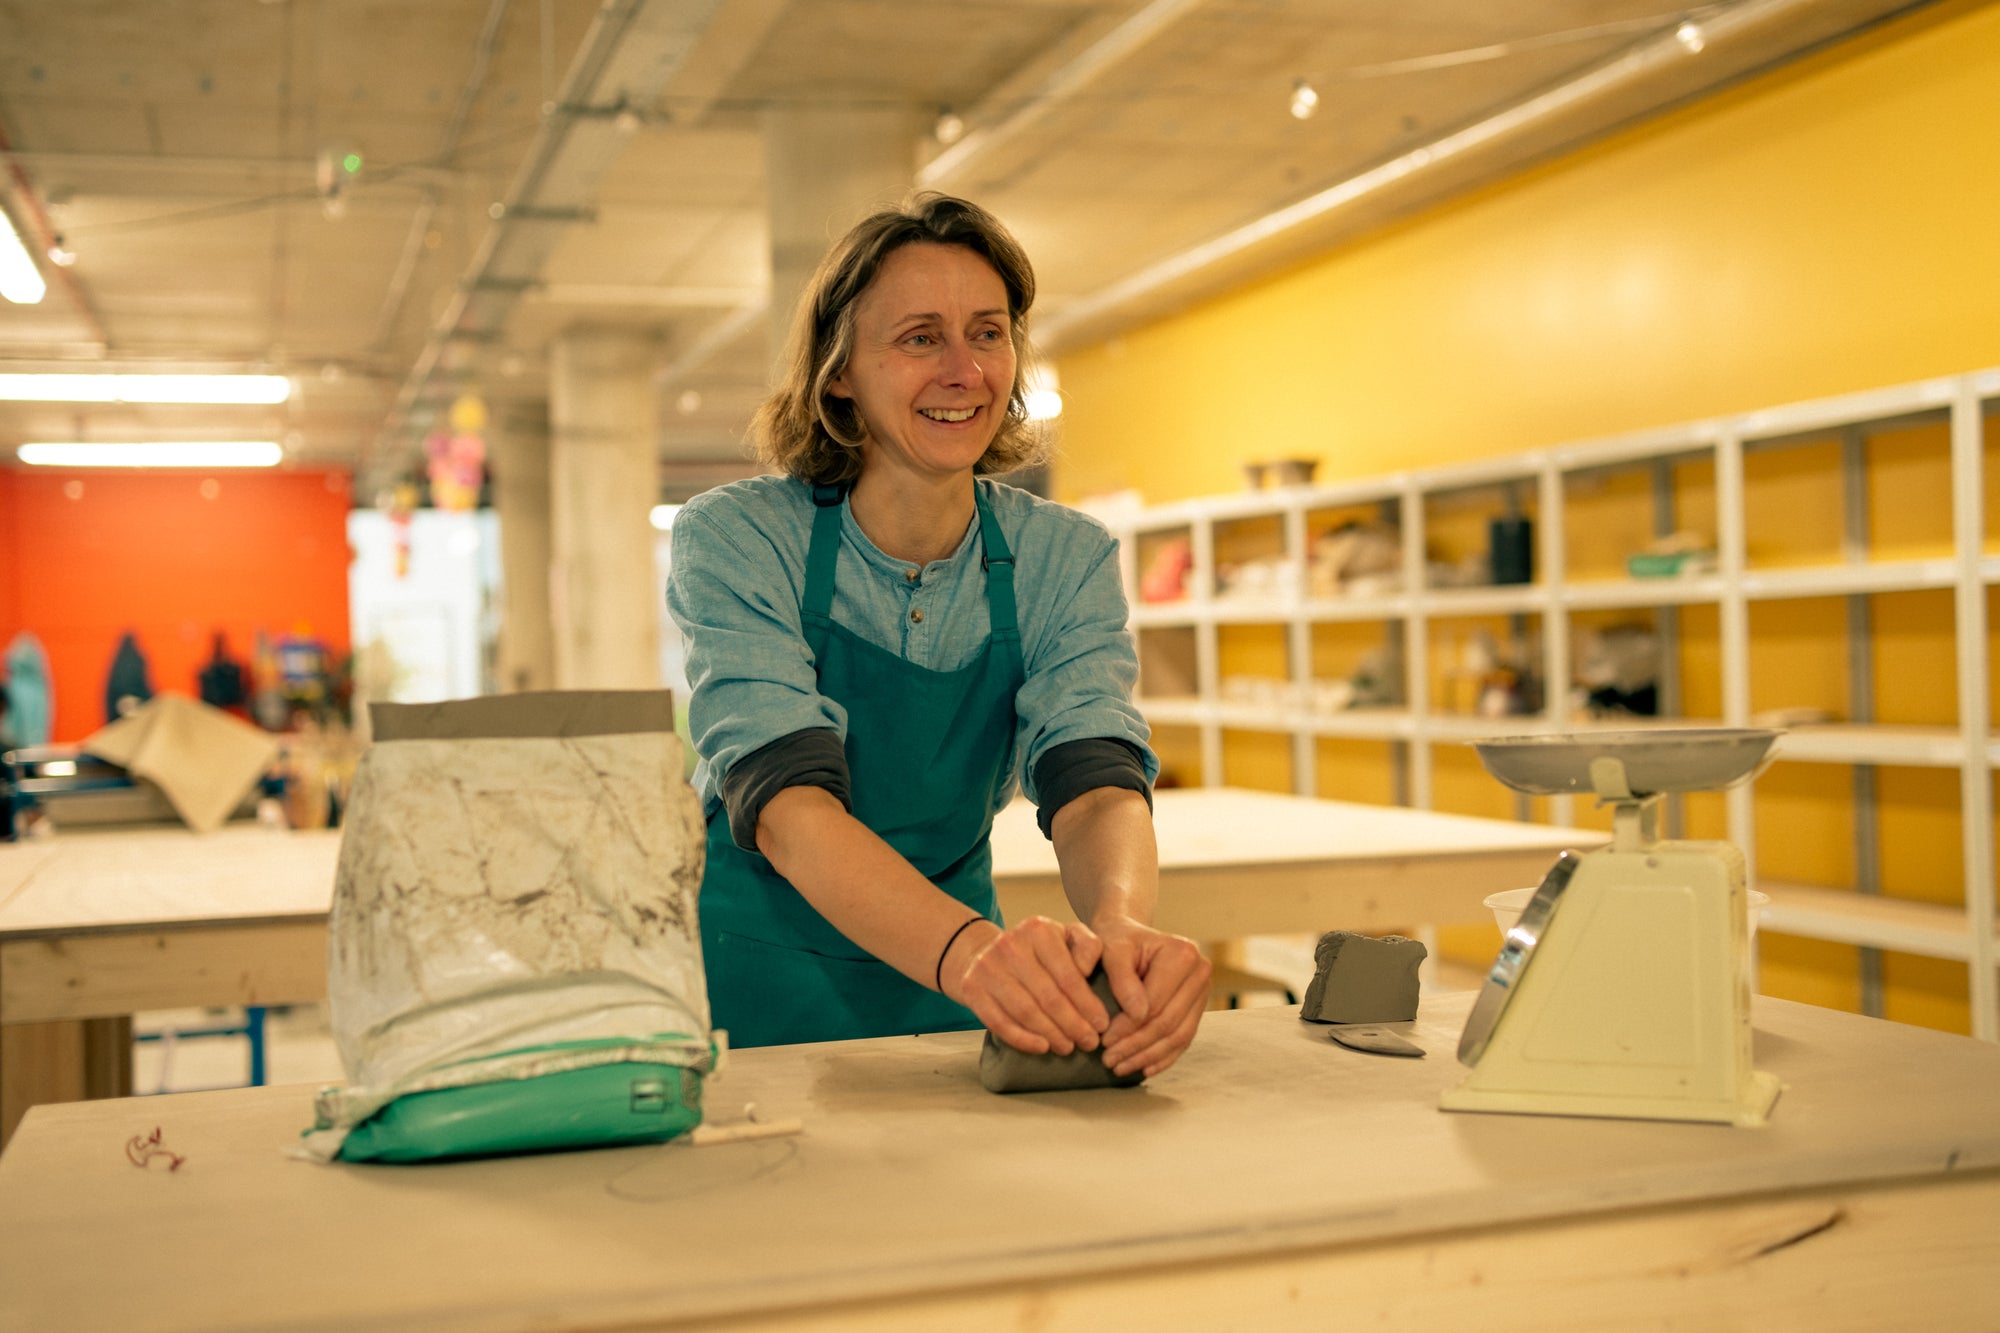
(751,672)
(1083,668)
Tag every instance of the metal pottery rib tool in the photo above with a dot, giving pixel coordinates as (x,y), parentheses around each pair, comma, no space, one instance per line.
(1624,990)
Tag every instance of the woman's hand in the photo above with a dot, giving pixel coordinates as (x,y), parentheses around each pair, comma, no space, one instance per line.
(1029,983)
(1161,982)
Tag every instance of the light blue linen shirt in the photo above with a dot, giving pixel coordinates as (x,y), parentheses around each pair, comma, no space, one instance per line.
(738,574)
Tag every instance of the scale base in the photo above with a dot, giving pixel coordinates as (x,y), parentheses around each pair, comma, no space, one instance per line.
(1751,1108)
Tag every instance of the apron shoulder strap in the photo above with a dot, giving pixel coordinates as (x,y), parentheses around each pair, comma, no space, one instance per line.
(999,564)
(816,609)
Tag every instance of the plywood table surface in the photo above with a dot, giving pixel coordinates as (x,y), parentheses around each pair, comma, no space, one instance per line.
(95,927)
(105,923)
(915,1199)
(1236,863)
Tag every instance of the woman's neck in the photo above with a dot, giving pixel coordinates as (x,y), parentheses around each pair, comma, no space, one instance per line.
(913,519)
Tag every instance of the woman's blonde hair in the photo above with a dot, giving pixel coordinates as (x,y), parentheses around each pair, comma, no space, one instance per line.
(802,428)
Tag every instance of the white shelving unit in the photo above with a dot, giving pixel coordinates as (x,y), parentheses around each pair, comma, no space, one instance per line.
(1543,481)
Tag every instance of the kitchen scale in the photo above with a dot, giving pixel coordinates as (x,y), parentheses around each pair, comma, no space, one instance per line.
(1624,990)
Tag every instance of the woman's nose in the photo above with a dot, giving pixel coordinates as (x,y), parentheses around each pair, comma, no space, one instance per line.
(960,365)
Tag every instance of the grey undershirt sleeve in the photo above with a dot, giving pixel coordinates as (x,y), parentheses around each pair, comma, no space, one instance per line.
(1069,770)
(813,757)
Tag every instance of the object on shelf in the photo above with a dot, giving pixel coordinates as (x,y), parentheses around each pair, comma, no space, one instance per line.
(1510,549)
(1377,681)
(1280,472)
(1275,577)
(1483,678)
(1618,671)
(1356,560)
(1474,571)
(1676,555)
(1166,578)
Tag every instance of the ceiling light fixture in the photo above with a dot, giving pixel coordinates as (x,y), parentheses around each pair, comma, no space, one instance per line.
(216,390)
(161,453)
(60,255)
(950,127)
(1305,100)
(1689,34)
(662,517)
(20,281)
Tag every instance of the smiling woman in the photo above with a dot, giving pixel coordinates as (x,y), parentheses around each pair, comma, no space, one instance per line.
(882,644)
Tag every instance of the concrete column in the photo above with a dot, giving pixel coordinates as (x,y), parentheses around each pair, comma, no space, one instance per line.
(827,170)
(604,480)
(521,500)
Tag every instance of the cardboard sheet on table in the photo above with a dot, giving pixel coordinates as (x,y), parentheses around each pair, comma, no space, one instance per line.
(536,714)
(203,759)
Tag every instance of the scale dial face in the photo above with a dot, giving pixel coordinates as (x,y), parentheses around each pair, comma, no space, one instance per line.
(1516,952)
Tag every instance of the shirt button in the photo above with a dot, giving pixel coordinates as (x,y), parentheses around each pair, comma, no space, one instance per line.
(917,616)
(910,574)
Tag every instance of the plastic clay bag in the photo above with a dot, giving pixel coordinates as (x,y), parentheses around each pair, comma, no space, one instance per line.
(514,961)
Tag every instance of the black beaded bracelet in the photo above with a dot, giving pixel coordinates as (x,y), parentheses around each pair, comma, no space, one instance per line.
(939,987)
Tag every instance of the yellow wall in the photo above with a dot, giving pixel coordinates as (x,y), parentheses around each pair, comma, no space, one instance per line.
(1831,227)
(1827,228)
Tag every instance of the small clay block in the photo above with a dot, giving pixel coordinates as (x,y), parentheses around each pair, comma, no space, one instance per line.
(1363,980)
(1004,1069)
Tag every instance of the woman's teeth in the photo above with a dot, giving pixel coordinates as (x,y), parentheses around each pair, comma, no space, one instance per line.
(948,413)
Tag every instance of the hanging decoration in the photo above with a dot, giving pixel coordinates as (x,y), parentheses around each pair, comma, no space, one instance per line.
(458,456)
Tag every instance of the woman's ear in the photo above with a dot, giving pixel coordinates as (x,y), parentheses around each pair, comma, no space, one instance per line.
(838,387)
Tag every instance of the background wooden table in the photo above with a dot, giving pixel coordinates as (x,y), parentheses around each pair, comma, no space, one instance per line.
(97,926)
(1270,1179)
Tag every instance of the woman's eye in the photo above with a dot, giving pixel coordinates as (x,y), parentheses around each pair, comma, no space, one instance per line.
(918,340)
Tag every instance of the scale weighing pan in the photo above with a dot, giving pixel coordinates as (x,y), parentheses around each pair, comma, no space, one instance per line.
(1665,759)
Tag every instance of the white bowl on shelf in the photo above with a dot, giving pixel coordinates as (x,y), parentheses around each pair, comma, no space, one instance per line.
(1508,904)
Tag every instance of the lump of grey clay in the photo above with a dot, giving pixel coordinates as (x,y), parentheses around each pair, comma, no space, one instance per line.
(1363,980)
(1004,1069)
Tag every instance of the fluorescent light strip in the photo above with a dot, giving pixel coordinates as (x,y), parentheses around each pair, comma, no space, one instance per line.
(166,453)
(120,388)
(20,281)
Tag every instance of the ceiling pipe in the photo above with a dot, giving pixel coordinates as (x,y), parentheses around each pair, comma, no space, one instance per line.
(632,49)
(1066,82)
(1097,314)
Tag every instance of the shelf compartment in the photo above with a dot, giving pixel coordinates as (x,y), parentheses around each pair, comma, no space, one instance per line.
(1866,919)
(1610,594)
(1913,747)
(1504,599)
(1850,580)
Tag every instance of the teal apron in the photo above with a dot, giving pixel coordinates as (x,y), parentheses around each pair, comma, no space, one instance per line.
(927,754)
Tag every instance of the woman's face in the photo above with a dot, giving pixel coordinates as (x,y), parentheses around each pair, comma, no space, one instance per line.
(933,361)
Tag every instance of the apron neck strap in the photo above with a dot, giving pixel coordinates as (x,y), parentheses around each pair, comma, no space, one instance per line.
(817,607)
(999,564)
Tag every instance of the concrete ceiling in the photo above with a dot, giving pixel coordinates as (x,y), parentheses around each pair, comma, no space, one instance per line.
(1142,149)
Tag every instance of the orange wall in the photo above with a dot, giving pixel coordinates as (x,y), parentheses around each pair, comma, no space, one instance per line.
(87,556)
(10,561)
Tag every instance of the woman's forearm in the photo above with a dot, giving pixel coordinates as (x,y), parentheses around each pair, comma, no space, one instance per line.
(859,883)
(1110,862)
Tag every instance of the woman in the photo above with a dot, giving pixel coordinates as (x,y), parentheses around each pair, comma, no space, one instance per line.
(881,641)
